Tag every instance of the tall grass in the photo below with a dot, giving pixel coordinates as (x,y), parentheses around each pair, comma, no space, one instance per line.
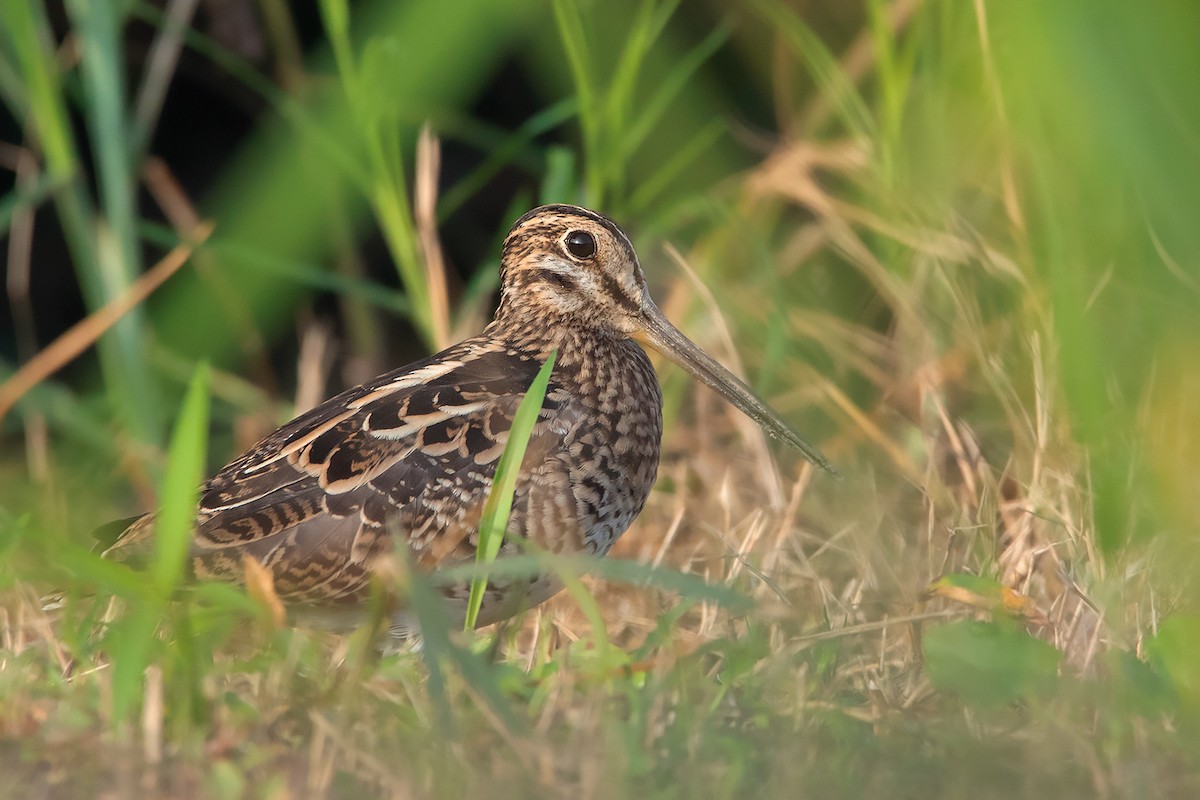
(101,239)
(496,510)
(954,241)
(132,640)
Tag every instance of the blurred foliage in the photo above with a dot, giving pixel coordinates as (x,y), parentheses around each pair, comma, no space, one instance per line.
(957,238)
(990,664)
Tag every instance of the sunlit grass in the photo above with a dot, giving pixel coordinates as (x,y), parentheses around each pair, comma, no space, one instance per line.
(963,257)
(493,522)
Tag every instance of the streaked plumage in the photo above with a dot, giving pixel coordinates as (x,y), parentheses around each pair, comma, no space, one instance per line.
(413,452)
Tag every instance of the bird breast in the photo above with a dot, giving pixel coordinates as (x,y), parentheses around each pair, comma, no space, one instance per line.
(608,414)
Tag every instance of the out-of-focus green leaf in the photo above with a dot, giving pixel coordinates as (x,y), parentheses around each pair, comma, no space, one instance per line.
(132,641)
(277,193)
(693,588)
(989,663)
(1174,652)
(178,499)
(1137,686)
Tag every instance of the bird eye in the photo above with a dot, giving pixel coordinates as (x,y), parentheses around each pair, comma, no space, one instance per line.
(581,244)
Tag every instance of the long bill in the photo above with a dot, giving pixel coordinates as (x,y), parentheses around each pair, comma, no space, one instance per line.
(664,337)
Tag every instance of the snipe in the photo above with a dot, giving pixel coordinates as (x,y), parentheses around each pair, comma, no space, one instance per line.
(412,453)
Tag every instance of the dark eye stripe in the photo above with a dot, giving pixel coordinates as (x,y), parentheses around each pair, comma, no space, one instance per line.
(617,293)
(560,280)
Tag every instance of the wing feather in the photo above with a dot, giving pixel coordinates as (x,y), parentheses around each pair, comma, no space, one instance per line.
(411,454)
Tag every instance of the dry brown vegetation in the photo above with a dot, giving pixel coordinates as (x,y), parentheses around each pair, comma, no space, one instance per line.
(995,601)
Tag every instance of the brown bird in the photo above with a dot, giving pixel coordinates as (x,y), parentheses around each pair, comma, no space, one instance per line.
(413,453)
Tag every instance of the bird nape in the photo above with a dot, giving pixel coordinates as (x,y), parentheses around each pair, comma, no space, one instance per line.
(412,454)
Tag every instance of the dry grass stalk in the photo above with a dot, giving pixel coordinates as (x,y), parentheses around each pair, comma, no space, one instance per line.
(84,334)
(425,212)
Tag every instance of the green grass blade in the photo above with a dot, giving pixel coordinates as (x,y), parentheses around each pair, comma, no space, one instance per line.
(499,502)
(13,529)
(574,42)
(894,75)
(66,414)
(117,258)
(245,255)
(103,252)
(691,587)
(650,114)
(428,606)
(823,66)
(323,142)
(28,33)
(335,15)
(133,641)
(620,96)
(588,605)
(280,192)
(560,182)
(367,85)
(12,87)
(131,644)
(180,487)
(643,31)
(653,186)
(104,576)
(503,152)
(43,187)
